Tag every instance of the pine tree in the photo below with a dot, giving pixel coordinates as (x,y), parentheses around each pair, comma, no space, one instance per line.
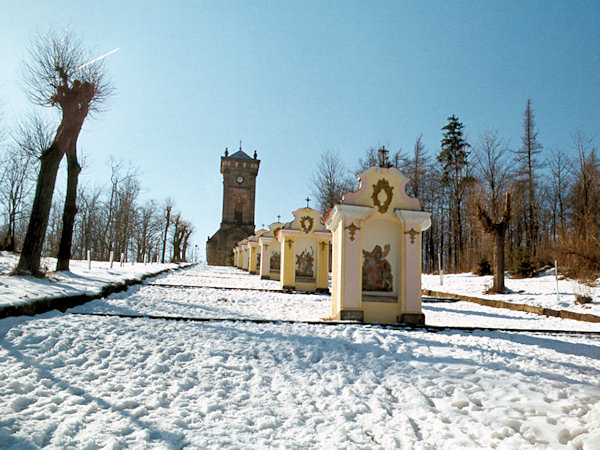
(454,159)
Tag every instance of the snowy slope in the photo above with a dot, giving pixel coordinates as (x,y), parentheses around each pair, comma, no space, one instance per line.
(108,382)
(80,279)
(539,291)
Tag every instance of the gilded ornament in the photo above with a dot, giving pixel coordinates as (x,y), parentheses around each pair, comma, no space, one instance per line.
(306,223)
(382,185)
(413,234)
(352,229)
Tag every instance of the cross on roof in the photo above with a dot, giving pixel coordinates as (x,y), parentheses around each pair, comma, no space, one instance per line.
(383,157)
(307,201)
(278,218)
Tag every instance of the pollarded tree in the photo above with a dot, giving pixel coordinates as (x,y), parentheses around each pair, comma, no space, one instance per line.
(492,168)
(454,159)
(59,74)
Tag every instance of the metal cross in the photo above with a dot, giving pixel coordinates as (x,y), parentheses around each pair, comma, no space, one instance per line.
(278,218)
(307,201)
(383,158)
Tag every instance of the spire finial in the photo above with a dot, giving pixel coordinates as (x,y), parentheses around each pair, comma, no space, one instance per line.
(278,218)
(240,145)
(307,202)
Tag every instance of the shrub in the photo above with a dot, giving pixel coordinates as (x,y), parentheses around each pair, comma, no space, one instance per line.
(483,267)
(522,267)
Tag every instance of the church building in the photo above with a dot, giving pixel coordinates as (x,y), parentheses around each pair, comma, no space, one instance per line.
(239,185)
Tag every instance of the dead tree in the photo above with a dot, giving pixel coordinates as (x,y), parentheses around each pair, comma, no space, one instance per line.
(528,164)
(59,74)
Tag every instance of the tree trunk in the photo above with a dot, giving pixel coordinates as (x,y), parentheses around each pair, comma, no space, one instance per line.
(29,262)
(65,140)
(66,238)
(162,260)
(498,286)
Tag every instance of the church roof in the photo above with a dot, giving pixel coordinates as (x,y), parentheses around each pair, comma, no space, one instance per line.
(240,155)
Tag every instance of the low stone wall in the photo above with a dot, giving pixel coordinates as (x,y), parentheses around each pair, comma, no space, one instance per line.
(516,306)
(43,305)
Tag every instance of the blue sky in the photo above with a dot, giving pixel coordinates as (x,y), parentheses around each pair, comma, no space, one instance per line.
(292,79)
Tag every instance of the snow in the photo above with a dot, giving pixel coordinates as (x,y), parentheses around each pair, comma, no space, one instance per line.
(71,380)
(79,280)
(538,291)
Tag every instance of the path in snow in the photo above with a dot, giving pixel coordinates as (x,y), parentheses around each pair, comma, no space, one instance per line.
(225,303)
(91,382)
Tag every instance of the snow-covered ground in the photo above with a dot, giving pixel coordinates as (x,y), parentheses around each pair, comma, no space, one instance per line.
(80,280)
(539,291)
(92,382)
(156,299)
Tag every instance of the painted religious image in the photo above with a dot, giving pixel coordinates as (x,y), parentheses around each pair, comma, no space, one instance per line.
(305,263)
(377,271)
(275,261)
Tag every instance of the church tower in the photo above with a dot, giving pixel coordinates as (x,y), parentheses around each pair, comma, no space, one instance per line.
(239,186)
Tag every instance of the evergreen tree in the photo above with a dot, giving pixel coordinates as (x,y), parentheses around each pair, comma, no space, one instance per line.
(454,159)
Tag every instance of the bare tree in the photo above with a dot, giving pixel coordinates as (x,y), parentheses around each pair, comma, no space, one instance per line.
(189,229)
(31,137)
(417,168)
(60,74)
(330,181)
(89,222)
(492,168)
(585,196)
(15,186)
(580,248)
(148,229)
(560,167)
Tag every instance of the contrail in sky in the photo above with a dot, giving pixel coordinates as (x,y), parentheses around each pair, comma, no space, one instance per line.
(97,59)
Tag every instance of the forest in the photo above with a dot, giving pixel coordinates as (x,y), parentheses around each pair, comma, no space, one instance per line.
(545,200)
